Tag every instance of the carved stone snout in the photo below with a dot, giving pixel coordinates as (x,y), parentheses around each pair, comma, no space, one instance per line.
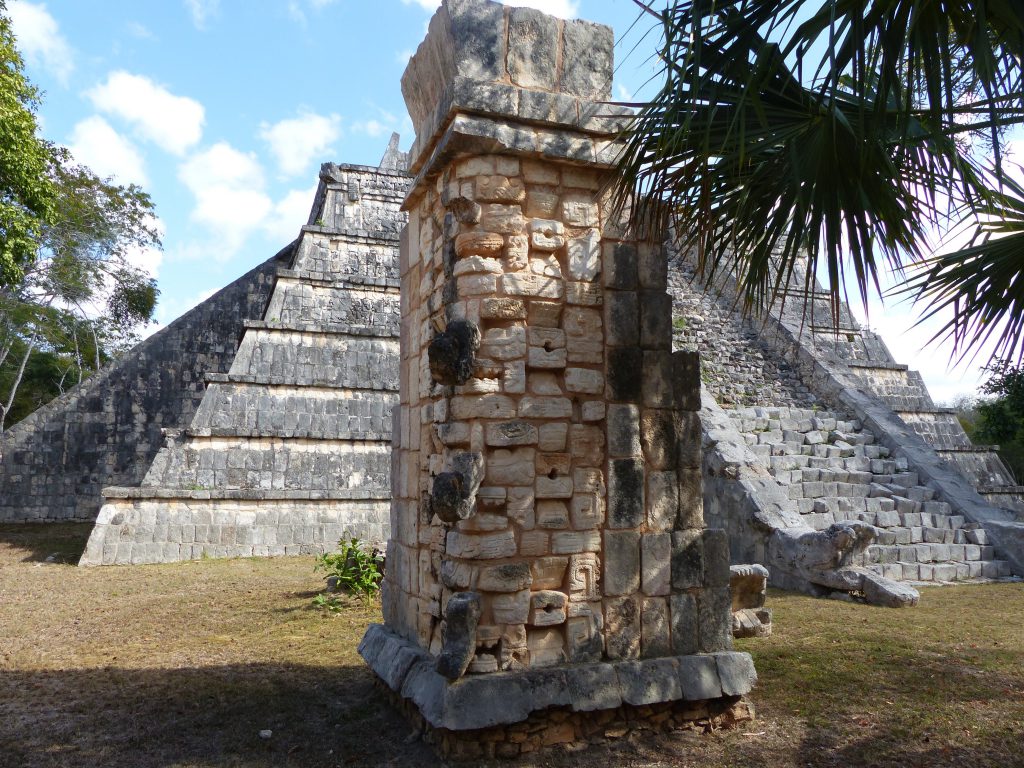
(452,352)
(453,496)
(461,616)
(823,560)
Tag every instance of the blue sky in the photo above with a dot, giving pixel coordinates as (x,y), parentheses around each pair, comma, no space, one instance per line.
(223,111)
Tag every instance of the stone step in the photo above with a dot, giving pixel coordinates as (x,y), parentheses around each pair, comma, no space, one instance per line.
(943,572)
(927,553)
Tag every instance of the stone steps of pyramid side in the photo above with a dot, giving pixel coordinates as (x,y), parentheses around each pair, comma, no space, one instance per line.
(943,572)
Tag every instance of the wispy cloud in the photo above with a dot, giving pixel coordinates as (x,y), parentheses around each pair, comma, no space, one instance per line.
(40,39)
(94,143)
(297,141)
(173,123)
(202,11)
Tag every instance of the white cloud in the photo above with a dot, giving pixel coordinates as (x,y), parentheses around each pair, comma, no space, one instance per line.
(566,9)
(296,8)
(202,11)
(384,123)
(282,226)
(40,40)
(299,140)
(96,144)
(231,202)
(173,123)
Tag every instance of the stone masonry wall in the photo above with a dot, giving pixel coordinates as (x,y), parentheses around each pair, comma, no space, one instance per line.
(108,430)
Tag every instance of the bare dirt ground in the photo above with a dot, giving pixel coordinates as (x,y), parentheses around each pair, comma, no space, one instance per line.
(185,664)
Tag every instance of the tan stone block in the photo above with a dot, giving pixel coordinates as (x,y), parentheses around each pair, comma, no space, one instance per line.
(542,203)
(465,407)
(544,383)
(583,334)
(553,464)
(480,546)
(499,189)
(482,522)
(536,407)
(547,608)
(517,252)
(547,234)
(507,577)
(513,651)
(549,572)
(580,178)
(589,480)
(547,647)
(511,608)
(506,219)
(479,387)
(538,172)
(535,543)
(507,166)
(502,308)
(479,284)
(587,445)
(584,380)
(510,466)
(553,487)
(622,627)
(507,343)
(580,210)
(552,437)
(593,410)
(506,433)
(584,294)
(539,357)
(662,499)
(477,265)
(546,265)
(586,511)
(520,507)
(478,244)
(531,285)
(475,166)
(584,256)
(570,542)
(544,314)
(553,515)
(514,377)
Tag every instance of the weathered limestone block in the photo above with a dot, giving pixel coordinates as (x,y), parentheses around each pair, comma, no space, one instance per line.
(749,586)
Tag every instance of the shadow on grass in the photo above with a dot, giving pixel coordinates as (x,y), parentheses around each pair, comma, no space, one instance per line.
(42,542)
(210,716)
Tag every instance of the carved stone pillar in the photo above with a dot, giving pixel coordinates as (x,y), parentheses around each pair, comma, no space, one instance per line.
(548,547)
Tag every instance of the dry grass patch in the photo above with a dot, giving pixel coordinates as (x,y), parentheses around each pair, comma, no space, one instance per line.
(184,664)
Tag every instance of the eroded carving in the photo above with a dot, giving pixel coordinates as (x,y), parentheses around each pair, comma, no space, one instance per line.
(452,352)
(453,496)
(459,638)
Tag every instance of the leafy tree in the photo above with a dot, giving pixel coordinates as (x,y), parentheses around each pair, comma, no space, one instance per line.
(1001,418)
(839,135)
(26,188)
(68,289)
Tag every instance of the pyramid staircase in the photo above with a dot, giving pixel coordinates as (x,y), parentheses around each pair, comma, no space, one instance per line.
(833,469)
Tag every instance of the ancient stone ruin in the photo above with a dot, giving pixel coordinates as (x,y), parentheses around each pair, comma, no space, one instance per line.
(259,422)
(548,565)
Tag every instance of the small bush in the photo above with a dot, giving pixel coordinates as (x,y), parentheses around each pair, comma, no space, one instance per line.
(356,568)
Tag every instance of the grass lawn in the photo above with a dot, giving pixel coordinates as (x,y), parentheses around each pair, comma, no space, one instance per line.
(184,665)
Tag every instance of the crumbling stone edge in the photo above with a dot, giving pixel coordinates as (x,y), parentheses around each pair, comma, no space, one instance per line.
(481,701)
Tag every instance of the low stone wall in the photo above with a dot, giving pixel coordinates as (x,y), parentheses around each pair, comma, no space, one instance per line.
(190,525)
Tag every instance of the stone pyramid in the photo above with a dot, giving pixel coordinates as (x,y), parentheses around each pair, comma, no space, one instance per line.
(289,449)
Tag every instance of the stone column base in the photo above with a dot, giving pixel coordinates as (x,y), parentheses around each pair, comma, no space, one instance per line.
(506,714)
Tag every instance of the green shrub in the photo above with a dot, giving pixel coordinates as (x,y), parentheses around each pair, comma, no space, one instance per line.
(356,568)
